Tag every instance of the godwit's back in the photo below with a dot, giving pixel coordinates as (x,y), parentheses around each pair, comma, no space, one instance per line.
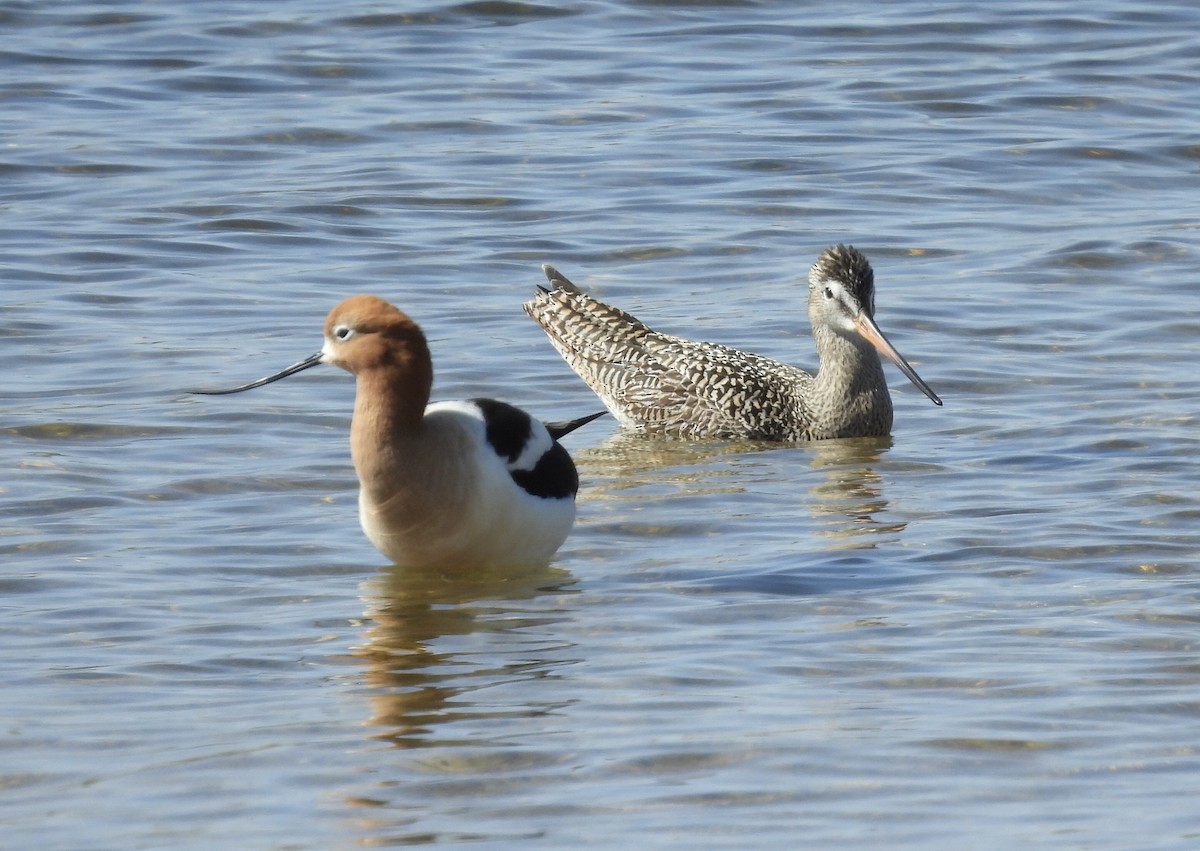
(664,384)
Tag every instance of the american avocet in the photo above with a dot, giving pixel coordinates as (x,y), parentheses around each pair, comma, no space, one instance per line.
(477,482)
(657,383)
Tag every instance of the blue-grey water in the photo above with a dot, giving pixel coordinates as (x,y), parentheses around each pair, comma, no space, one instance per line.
(983,632)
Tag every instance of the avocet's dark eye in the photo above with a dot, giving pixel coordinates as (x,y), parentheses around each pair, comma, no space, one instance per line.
(343,332)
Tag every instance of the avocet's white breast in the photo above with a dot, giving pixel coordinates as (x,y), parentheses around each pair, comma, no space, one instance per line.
(472,509)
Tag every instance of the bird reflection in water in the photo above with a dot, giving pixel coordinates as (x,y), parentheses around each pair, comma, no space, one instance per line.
(847,499)
(421,668)
(759,480)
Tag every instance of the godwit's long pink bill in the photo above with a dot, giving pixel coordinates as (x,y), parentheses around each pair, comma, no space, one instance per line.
(452,484)
(660,383)
(865,325)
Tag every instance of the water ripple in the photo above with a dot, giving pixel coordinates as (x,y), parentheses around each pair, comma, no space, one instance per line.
(982,626)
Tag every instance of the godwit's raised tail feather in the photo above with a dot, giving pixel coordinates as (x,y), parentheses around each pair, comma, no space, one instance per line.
(664,384)
(558,281)
(452,484)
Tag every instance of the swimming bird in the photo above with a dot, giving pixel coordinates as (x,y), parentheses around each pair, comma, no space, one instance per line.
(476,482)
(668,385)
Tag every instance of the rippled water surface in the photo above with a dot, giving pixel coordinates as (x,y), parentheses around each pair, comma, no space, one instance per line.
(982,632)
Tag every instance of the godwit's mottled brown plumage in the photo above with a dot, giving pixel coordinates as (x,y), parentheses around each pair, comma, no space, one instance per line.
(663,384)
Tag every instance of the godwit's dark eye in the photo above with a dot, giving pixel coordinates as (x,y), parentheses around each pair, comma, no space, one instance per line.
(343,332)
(829,292)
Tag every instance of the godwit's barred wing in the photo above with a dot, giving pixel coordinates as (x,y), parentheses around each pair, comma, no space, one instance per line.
(576,322)
(708,390)
(665,384)
(606,346)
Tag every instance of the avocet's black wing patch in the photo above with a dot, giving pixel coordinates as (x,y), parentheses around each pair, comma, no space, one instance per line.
(509,429)
(553,476)
(535,460)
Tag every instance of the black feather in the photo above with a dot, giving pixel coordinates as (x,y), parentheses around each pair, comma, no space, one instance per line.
(509,430)
(508,427)
(561,428)
(554,476)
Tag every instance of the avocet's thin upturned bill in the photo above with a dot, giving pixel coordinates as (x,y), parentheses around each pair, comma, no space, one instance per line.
(658,383)
(476,482)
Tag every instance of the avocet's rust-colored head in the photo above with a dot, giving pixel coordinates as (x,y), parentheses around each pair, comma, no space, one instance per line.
(365,335)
